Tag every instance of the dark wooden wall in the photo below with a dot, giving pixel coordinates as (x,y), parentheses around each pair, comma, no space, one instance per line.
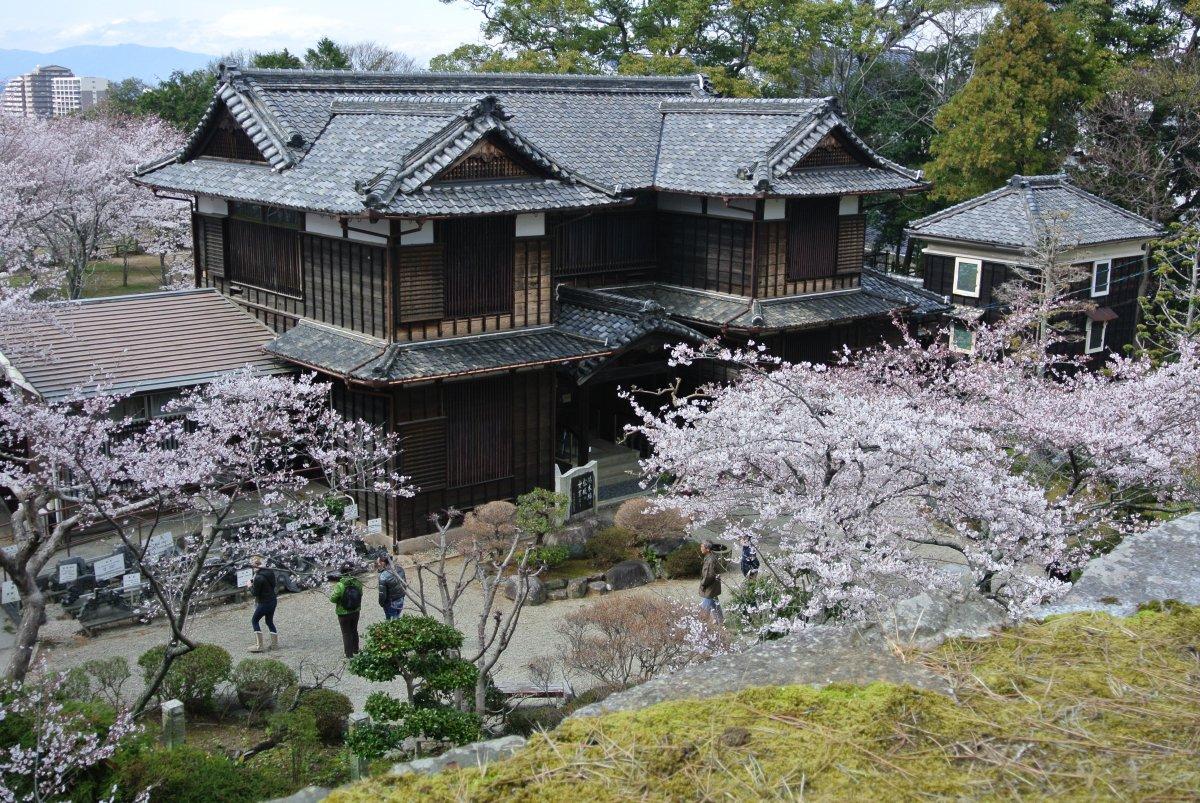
(345,283)
(374,408)
(938,274)
(604,247)
(708,253)
(263,256)
(819,345)
(775,254)
(479,265)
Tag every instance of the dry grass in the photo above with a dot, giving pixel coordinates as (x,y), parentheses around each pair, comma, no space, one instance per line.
(1079,707)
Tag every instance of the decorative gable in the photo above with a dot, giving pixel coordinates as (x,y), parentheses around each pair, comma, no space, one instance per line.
(226,139)
(488,159)
(833,150)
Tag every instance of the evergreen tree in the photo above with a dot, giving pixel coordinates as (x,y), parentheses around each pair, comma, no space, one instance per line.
(1017,114)
(181,99)
(278,59)
(327,55)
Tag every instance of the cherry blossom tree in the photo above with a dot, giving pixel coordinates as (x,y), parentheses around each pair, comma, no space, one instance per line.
(1014,458)
(65,192)
(265,453)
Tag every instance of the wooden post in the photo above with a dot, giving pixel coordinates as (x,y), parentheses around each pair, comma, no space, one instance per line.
(174,724)
(358,764)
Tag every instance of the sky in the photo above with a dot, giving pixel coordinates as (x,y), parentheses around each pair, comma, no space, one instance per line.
(420,28)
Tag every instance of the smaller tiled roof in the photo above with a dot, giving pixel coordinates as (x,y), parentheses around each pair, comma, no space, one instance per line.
(918,301)
(1019,215)
(138,343)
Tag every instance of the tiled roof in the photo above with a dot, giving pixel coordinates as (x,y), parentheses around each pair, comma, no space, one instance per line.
(139,343)
(591,328)
(918,301)
(1019,214)
(348,142)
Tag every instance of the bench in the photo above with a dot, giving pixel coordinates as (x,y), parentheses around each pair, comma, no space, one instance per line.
(514,691)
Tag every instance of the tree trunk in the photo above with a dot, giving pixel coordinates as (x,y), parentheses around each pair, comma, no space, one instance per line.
(33,611)
(124,268)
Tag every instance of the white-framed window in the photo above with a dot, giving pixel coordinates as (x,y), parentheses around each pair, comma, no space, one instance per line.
(962,339)
(1093,336)
(1101,277)
(967,274)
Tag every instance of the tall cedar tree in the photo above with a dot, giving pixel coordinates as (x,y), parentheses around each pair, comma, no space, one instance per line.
(1017,114)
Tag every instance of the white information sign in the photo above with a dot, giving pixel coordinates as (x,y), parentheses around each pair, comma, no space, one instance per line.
(160,544)
(374,526)
(351,512)
(67,572)
(8,592)
(132,580)
(110,567)
(244,576)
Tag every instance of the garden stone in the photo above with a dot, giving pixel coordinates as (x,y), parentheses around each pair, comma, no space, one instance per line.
(174,723)
(598,587)
(558,594)
(629,574)
(596,578)
(556,583)
(577,588)
(476,754)
(574,536)
(537,591)
(665,546)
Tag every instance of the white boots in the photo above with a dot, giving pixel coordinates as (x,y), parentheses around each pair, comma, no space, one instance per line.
(260,644)
(258,638)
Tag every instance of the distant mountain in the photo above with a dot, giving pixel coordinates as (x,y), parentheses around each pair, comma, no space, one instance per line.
(113,62)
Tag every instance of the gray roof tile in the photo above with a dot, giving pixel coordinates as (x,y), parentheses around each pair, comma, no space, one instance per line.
(1017,216)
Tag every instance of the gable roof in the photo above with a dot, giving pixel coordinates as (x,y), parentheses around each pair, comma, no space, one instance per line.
(138,343)
(354,143)
(1018,215)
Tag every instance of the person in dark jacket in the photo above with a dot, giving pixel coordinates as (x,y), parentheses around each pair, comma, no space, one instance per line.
(347,598)
(262,588)
(710,583)
(749,561)
(392,584)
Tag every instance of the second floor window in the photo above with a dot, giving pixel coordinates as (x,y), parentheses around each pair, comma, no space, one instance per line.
(962,339)
(1101,277)
(1094,336)
(479,266)
(966,277)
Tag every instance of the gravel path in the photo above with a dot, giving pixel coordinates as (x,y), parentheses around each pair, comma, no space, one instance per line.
(309,632)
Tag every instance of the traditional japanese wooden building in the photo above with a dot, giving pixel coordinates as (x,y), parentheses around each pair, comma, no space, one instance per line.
(478,261)
(971,249)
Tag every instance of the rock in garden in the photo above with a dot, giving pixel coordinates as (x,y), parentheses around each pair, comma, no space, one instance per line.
(598,587)
(476,754)
(537,590)
(629,574)
(558,594)
(556,583)
(577,588)
(665,546)
(574,536)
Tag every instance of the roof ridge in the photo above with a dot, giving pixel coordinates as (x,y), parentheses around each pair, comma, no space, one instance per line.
(961,206)
(187,291)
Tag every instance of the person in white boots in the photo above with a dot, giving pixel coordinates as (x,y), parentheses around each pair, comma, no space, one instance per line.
(263,589)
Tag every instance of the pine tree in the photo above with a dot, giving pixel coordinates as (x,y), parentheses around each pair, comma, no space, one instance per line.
(1033,71)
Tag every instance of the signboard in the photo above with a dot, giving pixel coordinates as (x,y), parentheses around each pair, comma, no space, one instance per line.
(67,572)
(580,486)
(244,577)
(8,592)
(132,580)
(374,526)
(351,512)
(160,544)
(110,567)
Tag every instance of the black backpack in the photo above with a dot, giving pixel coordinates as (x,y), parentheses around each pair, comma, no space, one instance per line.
(352,597)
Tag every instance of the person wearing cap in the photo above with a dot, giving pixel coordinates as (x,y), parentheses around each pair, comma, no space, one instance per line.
(710,583)
(347,598)
(262,588)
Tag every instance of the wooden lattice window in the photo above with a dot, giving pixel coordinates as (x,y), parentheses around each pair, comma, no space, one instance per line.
(834,150)
(481,431)
(227,140)
(812,238)
(423,452)
(479,265)
(486,160)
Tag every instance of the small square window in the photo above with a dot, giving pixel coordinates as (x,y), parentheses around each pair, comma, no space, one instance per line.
(966,277)
(962,339)
(1101,277)
(1094,336)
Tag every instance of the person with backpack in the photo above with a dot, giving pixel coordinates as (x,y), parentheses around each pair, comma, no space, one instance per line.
(262,588)
(392,585)
(347,598)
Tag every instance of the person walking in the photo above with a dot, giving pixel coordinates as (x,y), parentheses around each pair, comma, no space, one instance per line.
(262,588)
(749,561)
(347,598)
(710,583)
(392,585)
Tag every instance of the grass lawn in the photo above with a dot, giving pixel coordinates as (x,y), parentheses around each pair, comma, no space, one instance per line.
(106,278)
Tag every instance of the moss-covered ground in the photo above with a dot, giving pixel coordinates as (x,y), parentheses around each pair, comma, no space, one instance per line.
(1079,707)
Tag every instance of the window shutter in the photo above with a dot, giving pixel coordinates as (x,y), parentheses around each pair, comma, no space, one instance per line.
(422,297)
(423,452)
(852,234)
(212,245)
(812,238)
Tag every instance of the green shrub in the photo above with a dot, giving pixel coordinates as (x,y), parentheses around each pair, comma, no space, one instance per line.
(296,730)
(685,561)
(525,720)
(610,545)
(331,709)
(188,774)
(262,682)
(550,555)
(100,679)
(540,511)
(193,677)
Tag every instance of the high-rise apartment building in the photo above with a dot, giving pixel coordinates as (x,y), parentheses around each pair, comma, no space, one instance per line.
(51,91)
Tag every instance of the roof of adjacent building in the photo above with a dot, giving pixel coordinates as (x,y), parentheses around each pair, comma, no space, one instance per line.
(137,343)
(1028,209)
(351,143)
(878,296)
(592,328)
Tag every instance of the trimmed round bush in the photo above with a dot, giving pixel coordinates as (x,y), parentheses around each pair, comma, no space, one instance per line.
(188,774)
(193,677)
(686,561)
(610,546)
(332,709)
(648,524)
(550,555)
(262,682)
